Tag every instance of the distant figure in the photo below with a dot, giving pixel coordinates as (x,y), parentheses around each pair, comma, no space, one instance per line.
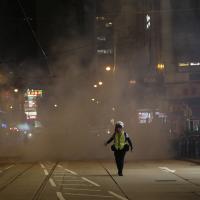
(120,146)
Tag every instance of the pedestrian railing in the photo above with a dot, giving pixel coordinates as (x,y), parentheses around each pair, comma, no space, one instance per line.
(188,146)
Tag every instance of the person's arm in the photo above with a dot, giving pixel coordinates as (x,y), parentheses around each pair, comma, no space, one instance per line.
(129,141)
(110,140)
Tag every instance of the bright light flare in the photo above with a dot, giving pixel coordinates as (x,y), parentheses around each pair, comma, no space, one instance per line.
(160,67)
(95,86)
(16,90)
(132,82)
(100,83)
(30,135)
(108,68)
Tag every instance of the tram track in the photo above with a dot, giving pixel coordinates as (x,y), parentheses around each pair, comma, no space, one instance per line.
(69,184)
(39,190)
(16,176)
(115,182)
(41,187)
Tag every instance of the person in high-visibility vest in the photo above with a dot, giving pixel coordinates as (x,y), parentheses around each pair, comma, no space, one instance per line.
(120,146)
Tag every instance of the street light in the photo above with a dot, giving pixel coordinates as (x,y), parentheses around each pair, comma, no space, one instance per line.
(95,86)
(16,90)
(100,83)
(108,68)
(160,67)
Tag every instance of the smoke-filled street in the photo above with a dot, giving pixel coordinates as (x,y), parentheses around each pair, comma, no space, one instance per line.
(84,180)
(99,99)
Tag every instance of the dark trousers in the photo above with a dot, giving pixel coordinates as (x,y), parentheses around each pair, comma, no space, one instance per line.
(119,159)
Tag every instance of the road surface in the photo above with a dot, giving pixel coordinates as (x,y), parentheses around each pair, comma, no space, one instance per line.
(85,180)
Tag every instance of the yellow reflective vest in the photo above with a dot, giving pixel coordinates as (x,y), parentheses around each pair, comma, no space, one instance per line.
(120,140)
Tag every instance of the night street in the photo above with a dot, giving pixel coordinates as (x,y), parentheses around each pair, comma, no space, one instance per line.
(153,180)
(99,99)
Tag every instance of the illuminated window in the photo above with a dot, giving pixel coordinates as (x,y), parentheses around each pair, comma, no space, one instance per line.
(145,117)
(104,51)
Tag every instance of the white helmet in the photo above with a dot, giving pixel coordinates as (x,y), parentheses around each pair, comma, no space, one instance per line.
(120,123)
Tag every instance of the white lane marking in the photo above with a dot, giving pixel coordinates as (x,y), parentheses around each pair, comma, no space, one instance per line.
(46,172)
(70,171)
(167,169)
(62,177)
(73,180)
(60,166)
(59,171)
(43,167)
(74,184)
(9,167)
(60,196)
(89,181)
(117,195)
(82,189)
(52,182)
(89,195)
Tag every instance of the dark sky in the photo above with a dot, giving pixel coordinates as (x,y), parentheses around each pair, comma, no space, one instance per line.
(74,20)
(186,28)
(49,20)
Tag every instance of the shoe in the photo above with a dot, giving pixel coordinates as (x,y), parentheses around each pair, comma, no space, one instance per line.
(120,174)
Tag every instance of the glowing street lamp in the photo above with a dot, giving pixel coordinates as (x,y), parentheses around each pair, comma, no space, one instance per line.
(55,105)
(95,86)
(93,99)
(160,67)
(108,68)
(16,90)
(100,83)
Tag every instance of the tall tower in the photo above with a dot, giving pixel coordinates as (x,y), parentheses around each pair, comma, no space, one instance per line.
(104,35)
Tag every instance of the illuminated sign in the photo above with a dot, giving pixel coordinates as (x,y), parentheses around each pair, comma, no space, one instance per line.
(30,105)
(195,64)
(35,93)
(183,64)
(148,21)
(160,67)
(31,115)
(189,64)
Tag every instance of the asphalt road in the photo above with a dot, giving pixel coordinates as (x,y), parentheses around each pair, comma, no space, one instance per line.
(85,180)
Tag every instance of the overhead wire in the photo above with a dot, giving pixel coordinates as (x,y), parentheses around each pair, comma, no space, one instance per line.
(34,34)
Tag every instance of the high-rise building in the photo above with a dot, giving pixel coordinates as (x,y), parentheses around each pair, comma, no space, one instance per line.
(105,34)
